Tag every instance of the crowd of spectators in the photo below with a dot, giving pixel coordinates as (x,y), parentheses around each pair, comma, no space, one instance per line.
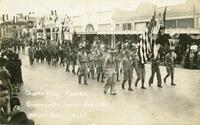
(10,82)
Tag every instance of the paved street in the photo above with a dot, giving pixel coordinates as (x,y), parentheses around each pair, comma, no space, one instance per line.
(52,96)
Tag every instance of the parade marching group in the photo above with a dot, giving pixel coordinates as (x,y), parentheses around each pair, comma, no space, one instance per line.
(105,63)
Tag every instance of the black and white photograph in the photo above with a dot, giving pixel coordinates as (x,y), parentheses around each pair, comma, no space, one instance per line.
(99,62)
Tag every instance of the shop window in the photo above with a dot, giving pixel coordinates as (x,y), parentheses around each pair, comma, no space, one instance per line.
(170,24)
(117,27)
(185,23)
(126,26)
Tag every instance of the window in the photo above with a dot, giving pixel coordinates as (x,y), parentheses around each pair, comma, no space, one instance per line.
(104,27)
(170,24)
(140,26)
(185,23)
(14,27)
(126,26)
(117,27)
(198,22)
(129,26)
(78,28)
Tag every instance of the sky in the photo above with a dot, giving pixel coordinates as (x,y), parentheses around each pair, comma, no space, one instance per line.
(73,7)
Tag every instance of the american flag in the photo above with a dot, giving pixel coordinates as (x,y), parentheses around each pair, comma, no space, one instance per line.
(5,17)
(145,43)
(145,49)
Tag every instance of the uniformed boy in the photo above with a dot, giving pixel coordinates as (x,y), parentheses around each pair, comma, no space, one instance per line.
(127,67)
(100,59)
(110,72)
(170,63)
(91,62)
(82,65)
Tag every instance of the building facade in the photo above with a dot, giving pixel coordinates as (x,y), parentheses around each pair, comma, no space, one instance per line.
(10,29)
(182,18)
(101,21)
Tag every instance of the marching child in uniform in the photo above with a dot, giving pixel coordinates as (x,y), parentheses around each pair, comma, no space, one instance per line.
(170,63)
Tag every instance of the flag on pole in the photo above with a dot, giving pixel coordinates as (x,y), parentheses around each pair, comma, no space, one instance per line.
(56,16)
(52,13)
(3,17)
(26,17)
(74,36)
(63,21)
(55,12)
(145,40)
(14,19)
(164,16)
(7,17)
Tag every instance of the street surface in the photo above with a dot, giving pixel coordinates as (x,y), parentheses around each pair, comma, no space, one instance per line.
(52,96)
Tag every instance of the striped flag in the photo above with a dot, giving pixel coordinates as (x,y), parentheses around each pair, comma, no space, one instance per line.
(144,49)
(145,43)
(5,17)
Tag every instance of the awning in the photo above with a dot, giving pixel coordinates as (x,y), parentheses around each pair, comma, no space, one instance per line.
(79,33)
(182,31)
(195,36)
(121,32)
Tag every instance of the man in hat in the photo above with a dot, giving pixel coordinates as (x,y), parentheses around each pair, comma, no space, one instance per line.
(170,63)
(127,66)
(100,59)
(73,58)
(157,53)
(138,64)
(110,72)
(82,60)
(194,52)
(31,54)
(119,57)
(67,55)
(91,62)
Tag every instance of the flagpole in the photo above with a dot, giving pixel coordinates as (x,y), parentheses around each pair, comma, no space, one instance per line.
(51,29)
(60,34)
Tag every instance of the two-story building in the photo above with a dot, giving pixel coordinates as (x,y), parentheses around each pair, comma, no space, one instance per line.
(10,29)
(181,18)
